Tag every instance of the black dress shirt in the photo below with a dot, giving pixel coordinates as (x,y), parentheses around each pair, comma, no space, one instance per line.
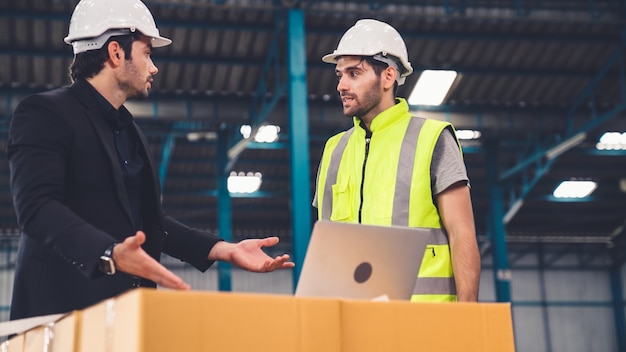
(127,145)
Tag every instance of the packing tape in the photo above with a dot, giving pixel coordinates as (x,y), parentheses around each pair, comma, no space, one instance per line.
(109,324)
(48,335)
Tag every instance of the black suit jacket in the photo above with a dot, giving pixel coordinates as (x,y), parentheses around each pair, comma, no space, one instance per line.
(71,204)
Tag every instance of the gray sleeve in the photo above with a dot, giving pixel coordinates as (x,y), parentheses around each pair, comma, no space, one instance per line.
(314,203)
(317,180)
(447,166)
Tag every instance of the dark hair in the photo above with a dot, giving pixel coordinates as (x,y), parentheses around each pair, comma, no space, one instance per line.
(379,67)
(89,63)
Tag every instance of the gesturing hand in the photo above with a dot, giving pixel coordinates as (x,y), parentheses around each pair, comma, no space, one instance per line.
(130,258)
(248,255)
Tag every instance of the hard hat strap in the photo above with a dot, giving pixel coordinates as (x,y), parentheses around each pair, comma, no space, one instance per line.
(393,62)
(97,42)
(389,60)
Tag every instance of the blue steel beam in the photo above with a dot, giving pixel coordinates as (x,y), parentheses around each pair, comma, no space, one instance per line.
(257,194)
(299,139)
(262,103)
(274,145)
(587,95)
(539,161)
(179,128)
(224,207)
(544,299)
(501,272)
(166,155)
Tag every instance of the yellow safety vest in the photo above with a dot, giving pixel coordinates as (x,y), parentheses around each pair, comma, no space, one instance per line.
(394,184)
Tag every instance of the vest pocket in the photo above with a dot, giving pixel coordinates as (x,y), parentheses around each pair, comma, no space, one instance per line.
(343,194)
(436,261)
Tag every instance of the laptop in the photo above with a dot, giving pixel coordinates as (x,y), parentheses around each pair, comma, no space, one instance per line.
(356,261)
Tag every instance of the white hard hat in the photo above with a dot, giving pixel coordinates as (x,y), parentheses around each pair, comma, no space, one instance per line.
(95,21)
(377,39)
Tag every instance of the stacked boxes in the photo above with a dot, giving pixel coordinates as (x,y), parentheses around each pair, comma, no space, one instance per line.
(145,320)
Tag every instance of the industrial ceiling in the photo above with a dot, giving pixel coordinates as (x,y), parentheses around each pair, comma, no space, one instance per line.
(533,76)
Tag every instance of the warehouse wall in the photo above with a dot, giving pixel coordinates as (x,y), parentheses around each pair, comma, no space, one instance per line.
(559,310)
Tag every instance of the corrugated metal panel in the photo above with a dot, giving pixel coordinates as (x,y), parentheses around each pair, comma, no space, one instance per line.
(526,285)
(582,329)
(530,331)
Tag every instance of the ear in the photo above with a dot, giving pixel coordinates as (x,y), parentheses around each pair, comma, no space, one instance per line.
(388,77)
(116,54)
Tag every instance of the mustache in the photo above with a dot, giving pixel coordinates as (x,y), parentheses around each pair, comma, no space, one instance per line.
(347,95)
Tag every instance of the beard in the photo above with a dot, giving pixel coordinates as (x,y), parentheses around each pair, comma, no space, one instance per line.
(363,105)
(131,84)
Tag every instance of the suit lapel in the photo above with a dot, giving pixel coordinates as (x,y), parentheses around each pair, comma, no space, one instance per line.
(150,180)
(103,131)
(151,162)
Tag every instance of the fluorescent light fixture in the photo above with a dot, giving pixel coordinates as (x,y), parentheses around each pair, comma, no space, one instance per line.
(513,210)
(432,87)
(264,134)
(245,131)
(196,136)
(566,145)
(244,182)
(612,141)
(574,189)
(267,134)
(467,134)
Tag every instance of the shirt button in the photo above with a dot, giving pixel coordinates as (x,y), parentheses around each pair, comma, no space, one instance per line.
(126,162)
(116,131)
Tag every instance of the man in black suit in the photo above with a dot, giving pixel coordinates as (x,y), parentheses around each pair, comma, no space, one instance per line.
(84,184)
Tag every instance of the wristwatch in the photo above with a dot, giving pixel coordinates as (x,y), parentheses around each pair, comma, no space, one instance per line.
(107,265)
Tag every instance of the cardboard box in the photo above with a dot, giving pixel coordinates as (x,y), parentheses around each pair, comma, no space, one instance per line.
(66,334)
(37,339)
(148,320)
(20,326)
(14,344)
(404,326)
(60,335)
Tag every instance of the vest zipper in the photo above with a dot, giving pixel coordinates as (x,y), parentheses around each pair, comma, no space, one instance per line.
(368,137)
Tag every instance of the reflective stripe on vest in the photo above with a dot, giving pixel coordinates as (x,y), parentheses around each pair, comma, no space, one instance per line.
(331,175)
(433,283)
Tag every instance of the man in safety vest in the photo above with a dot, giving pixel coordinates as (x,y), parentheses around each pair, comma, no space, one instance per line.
(392,168)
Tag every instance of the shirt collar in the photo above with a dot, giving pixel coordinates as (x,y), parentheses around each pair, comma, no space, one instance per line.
(116,118)
(387,117)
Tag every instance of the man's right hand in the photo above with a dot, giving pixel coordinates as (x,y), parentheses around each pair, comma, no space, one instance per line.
(130,258)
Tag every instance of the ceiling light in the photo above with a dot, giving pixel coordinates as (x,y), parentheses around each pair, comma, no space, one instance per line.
(574,189)
(267,134)
(264,134)
(196,136)
(566,145)
(432,87)
(467,134)
(244,182)
(612,141)
(245,131)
